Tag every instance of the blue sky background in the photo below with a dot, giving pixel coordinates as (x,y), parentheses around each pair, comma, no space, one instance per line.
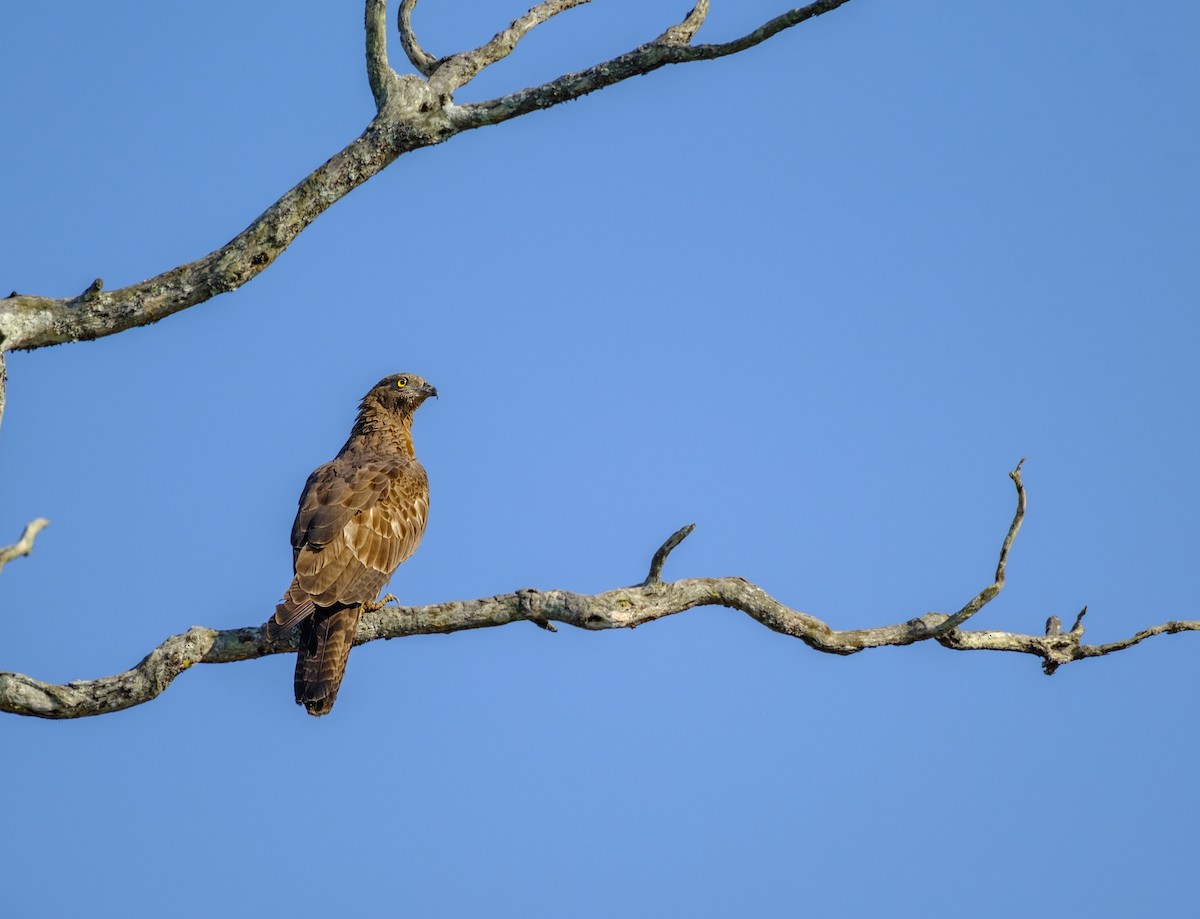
(817,298)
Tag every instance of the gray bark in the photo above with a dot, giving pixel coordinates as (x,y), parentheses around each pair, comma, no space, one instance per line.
(622,608)
(412,112)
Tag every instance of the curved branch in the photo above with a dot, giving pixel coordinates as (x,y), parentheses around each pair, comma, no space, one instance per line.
(422,60)
(669,48)
(623,608)
(28,322)
(1167,628)
(459,69)
(412,113)
(762,33)
(660,557)
(980,599)
(24,545)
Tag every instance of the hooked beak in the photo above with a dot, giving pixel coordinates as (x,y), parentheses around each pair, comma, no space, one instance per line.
(427,391)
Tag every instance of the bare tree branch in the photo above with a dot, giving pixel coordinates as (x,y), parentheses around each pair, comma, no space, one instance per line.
(642,60)
(1167,628)
(28,322)
(422,60)
(980,599)
(24,545)
(684,32)
(762,33)
(623,608)
(380,75)
(412,113)
(459,69)
(660,557)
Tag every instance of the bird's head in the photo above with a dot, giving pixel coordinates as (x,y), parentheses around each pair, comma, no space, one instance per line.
(401,392)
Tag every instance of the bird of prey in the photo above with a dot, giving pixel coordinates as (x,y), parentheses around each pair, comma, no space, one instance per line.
(360,516)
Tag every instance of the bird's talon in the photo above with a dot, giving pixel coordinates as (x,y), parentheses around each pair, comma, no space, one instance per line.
(373,606)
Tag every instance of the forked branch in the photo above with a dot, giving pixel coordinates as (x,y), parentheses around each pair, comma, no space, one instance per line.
(412,112)
(623,608)
(460,69)
(672,47)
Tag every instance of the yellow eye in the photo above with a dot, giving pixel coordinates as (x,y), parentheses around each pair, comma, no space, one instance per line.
(402,382)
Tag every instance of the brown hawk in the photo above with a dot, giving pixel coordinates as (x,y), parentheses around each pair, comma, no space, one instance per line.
(360,516)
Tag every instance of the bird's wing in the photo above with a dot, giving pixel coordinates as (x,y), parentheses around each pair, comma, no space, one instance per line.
(333,494)
(357,527)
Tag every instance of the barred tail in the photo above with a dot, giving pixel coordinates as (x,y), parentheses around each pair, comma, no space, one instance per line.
(326,638)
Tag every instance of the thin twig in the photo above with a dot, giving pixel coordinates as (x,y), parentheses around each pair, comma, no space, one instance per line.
(422,60)
(989,593)
(1015,475)
(1167,628)
(24,545)
(684,32)
(642,60)
(762,33)
(459,69)
(660,557)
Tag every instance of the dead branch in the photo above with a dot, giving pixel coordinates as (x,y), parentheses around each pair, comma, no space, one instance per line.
(412,112)
(623,608)
(672,47)
(459,69)
(379,72)
(24,545)
(683,32)
(423,62)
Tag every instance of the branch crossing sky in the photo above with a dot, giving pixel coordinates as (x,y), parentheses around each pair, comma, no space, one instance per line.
(818,298)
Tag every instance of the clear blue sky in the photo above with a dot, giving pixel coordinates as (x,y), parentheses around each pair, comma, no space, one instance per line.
(817,298)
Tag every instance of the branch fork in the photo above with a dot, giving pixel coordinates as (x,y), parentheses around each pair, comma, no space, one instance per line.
(412,111)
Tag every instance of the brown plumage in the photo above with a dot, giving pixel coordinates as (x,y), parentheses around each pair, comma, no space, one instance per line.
(360,516)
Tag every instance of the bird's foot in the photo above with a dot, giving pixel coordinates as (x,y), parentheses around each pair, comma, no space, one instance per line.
(372,606)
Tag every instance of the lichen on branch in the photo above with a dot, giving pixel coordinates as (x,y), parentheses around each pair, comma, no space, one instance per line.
(622,608)
(412,111)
